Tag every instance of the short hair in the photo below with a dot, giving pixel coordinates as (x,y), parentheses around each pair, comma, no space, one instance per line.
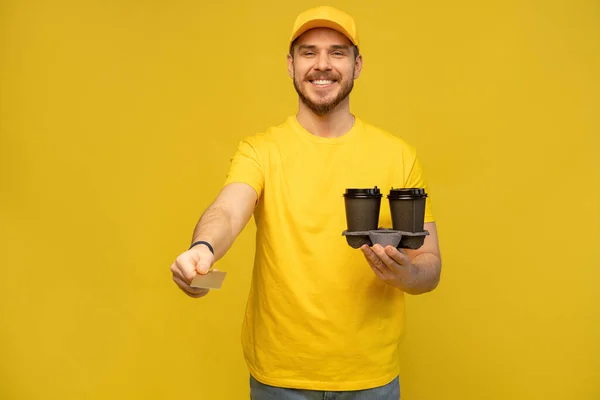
(353,47)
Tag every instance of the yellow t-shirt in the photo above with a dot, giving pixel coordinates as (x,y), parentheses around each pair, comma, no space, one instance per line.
(317,316)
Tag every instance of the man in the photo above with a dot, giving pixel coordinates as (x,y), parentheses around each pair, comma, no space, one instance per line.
(322,318)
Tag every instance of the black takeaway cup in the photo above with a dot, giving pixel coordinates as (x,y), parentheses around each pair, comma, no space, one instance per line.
(362,209)
(407,207)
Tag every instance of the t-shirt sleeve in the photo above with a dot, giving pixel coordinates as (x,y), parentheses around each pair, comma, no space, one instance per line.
(246,166)
(416,179)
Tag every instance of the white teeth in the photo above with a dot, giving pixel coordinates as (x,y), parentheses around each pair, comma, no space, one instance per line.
(322,82)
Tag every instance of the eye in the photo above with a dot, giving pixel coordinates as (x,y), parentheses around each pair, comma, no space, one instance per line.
(338,53)
(309,53)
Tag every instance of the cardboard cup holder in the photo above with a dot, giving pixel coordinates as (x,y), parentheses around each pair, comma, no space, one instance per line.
(385,237)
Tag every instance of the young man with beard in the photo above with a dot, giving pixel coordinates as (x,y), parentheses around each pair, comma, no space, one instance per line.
(323,320)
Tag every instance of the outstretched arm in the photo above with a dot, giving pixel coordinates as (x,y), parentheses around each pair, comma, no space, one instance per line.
(219,225)
(226,217)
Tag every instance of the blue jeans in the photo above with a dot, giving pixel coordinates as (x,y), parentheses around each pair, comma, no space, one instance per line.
(260,391)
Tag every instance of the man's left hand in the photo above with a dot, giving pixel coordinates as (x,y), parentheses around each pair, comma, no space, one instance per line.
(390,265)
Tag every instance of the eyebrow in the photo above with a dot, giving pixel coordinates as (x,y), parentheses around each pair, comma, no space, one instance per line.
(332,47)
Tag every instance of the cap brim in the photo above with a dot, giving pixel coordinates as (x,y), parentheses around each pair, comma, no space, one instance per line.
(322,23)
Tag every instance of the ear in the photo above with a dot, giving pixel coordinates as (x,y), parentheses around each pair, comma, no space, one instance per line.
(290,62)
(358,64)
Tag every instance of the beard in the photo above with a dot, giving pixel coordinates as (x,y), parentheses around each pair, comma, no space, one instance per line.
(324,108)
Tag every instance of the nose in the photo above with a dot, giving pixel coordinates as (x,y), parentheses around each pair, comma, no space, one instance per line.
(323,62)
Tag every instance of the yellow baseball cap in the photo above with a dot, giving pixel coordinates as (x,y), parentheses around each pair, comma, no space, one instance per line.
(325,17)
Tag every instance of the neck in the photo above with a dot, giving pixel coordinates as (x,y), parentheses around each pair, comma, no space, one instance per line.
(335,124)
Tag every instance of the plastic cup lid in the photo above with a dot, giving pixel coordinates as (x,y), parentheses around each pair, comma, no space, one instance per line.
(371,192)
(407,193)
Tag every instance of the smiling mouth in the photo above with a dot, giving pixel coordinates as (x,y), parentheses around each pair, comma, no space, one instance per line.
(322,82)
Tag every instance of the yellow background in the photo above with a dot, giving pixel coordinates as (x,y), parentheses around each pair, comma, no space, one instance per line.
(117,121)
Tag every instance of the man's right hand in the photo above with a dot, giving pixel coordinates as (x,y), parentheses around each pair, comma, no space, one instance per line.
(197,260)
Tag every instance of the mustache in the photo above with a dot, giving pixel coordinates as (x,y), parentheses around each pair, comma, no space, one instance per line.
(326,77)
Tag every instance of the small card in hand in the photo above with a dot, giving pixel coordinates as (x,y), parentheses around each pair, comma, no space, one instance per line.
(212,280)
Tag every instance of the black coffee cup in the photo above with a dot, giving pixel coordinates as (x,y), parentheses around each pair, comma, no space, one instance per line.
(362,209)
(407,207)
